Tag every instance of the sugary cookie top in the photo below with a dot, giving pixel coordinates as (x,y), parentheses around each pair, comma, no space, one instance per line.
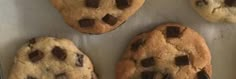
(51,58)
(171,51)
(96,16)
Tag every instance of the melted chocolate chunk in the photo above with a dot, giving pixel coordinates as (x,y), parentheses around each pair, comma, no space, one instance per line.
(136,45)
(80,60)
(92,3)
(109,19)
(31,77)
(230,3)
(59,53)
(123,4)
(202,75)
(148,62)
(61,76)
(35,56)
(172,32)
(148,75)
(86,22)
(182,60)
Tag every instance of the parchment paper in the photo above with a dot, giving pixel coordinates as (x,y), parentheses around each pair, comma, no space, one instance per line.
(21,20)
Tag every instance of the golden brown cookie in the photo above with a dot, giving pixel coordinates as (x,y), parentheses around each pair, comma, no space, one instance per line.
(171,51)
(51,58)
(96,16)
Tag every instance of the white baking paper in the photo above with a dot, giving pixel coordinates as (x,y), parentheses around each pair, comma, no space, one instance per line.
(21,20)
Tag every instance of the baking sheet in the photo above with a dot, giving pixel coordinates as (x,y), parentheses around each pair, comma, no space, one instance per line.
(21,20)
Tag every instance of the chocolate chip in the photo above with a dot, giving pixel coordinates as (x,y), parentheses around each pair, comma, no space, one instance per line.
(79,61)
(167,76)
(92,3)
(109,19)
(202,75)
(59,53)
(136,45)
(32,41)
(230,3)
(148,62)
(61,76)
(31,77)
(122,4)
(201,2)
(148,75)
(182,60)
(86,22)
(35,56)
(172,32)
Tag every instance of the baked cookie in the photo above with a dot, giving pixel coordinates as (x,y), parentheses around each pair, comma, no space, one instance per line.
(171,51)
(51,58)
(216,10)
(96,16)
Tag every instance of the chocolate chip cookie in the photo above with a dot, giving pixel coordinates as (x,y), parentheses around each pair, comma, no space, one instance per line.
(171,51)
(216,10)
(51,58)
(96,16)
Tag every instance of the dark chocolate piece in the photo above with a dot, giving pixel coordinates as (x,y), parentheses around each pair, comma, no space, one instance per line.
(172,32)
(202,75)
(182,60)
(136,45)
(86,22)
(109,19)
(123,4)
(59,53)
(148,62)
(35,56)
(92,3)
(80,60)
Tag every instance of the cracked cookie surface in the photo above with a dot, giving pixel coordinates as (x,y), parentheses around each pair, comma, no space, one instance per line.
(171,51)
(216,10)
(51,58)
(96,16)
